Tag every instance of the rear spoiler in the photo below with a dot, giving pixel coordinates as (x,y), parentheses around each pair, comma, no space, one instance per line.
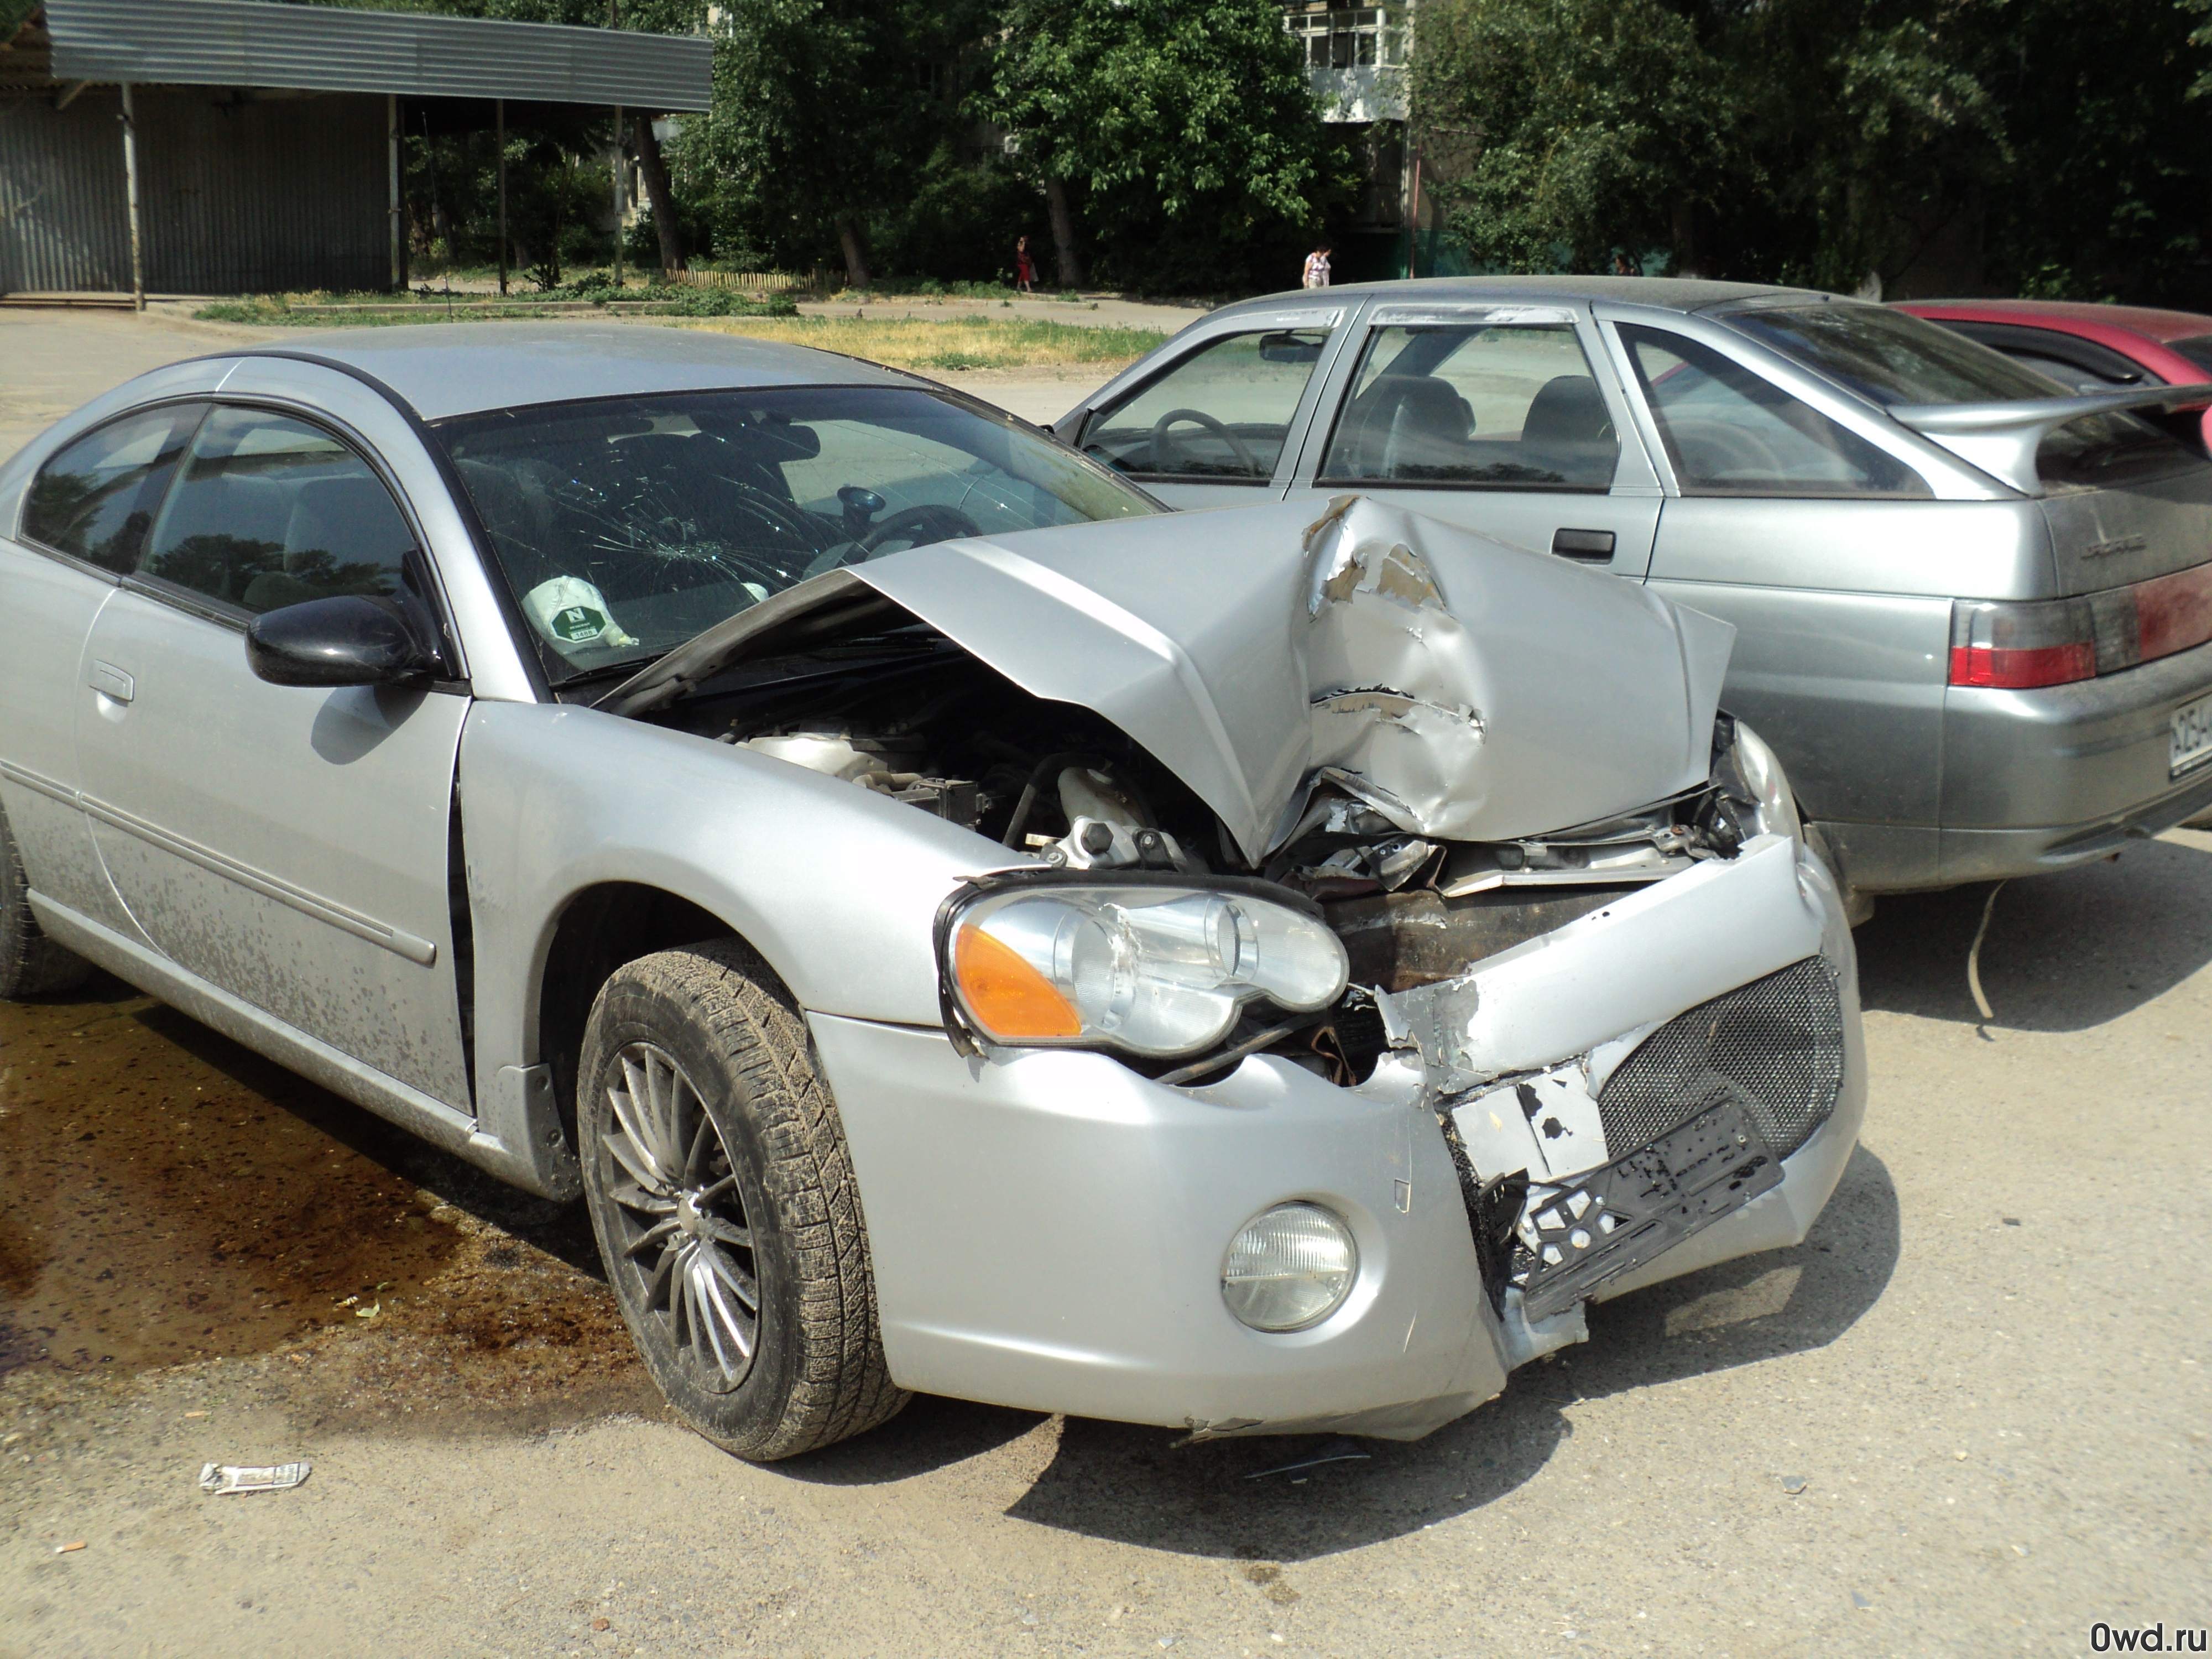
(2001,438)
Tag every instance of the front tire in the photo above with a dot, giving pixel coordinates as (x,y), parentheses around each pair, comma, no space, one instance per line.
(723,1199)
(31,964)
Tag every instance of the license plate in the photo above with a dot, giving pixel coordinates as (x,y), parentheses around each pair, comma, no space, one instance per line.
(2191,741)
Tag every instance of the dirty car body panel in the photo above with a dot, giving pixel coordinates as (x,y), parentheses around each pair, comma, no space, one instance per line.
(1340,713)
(1670,432)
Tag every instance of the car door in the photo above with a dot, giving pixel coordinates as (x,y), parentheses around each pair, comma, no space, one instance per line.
(83,524)
(289,845)
(1499,418)
(1216,424)
(1834,559)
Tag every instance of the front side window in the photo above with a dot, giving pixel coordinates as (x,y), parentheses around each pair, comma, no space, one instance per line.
(1509,408)
(624,526)
(96,498)
(271,511)
(1730,432)
(1220,415)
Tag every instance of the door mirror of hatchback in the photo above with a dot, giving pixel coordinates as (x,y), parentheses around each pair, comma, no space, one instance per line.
(351,639)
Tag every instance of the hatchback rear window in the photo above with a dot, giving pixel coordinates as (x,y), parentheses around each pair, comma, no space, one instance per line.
(1890,356)
(1893,357)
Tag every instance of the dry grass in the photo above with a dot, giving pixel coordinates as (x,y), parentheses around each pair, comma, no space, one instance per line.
(954,343)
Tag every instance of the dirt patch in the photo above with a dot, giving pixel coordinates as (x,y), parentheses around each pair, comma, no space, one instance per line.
(172,1197)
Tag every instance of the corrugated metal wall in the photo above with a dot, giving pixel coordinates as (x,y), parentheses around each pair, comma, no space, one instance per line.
(250,42)
(64,217)
(237,195)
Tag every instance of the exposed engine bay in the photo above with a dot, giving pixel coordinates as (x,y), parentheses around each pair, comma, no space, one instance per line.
(912,717)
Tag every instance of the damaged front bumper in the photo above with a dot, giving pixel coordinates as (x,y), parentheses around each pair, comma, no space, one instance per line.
(1047,1227)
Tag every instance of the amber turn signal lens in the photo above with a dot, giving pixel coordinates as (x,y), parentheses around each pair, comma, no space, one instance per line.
(1007,997)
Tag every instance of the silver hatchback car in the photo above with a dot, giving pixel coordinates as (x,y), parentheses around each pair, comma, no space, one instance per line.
(1973,610)
(959,926)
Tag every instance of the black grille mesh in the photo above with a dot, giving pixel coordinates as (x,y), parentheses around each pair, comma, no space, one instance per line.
(1779,1040)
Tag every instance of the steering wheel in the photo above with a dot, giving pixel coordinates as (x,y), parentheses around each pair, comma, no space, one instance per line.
(917,526)
(1163,445)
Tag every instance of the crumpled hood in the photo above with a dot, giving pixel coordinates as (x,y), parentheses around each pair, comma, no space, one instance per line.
(1467,689)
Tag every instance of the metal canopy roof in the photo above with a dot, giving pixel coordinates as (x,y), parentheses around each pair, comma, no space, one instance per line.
(254,43)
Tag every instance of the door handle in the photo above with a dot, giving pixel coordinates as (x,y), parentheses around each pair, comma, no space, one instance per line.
(110,682)
(1593,544)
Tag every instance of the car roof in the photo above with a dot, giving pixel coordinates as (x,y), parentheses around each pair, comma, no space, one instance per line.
(2068,316)
(1683,294)
(463,368)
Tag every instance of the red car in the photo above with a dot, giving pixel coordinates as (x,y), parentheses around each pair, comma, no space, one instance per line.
(2088,348)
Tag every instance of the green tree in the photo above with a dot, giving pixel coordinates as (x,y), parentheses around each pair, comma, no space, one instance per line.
(1887,146)
(1568,130)
(825,113)
(1191,115)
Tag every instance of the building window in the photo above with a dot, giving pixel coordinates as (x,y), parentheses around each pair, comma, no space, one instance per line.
(1366,37)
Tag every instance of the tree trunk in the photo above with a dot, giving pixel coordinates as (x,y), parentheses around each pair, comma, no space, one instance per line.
(1689,253)
(653,168)
(856,255)
(1063,233)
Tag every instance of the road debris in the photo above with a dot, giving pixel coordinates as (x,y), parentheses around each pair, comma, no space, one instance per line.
(1793,1484)
(1342,1449)
(219,1479)
(70,1548)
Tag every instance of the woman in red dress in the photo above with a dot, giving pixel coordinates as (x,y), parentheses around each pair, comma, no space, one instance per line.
(1024,267)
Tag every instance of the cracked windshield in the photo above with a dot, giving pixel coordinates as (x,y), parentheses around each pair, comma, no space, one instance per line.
(626,527)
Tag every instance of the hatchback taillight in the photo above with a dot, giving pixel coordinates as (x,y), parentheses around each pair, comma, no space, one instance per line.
(2018,645)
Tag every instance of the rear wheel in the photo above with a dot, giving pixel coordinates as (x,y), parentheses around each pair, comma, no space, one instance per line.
(723,1199)
(31,964)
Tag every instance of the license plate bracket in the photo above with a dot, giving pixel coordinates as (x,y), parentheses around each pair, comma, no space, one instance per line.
(1603,1223)
(2189,742)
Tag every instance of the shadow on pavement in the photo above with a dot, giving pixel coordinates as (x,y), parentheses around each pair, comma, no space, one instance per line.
(1123,1483)
(2065,952)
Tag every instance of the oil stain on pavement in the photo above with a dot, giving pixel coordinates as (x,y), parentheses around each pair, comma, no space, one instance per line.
(172,1197)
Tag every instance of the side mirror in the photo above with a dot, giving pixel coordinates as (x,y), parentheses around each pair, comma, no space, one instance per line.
(349,639)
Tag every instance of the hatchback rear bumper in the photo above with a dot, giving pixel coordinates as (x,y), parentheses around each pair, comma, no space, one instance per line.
(2037,780)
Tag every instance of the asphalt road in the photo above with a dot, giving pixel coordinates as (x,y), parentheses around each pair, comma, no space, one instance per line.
(1968,1416)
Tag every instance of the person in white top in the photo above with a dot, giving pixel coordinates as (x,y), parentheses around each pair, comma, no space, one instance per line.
(1317,267)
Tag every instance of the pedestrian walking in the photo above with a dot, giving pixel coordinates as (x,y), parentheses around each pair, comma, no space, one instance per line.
(1621,267)
(1024,267)
(1317,267)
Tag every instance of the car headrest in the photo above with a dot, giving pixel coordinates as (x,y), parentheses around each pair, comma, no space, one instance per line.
(1568,409)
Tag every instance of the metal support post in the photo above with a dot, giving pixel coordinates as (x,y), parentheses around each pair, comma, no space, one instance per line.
(391,170)
(130,185)
(499,128)
(620,194)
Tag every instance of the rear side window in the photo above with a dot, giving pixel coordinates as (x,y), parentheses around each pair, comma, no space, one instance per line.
(1730,432)
(1510,408)
(96,498)
(271,511)
(1220,415)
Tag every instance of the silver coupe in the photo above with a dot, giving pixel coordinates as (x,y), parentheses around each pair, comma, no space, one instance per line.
(957,927)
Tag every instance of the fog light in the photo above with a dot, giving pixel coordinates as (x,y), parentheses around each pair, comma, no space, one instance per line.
(1289,1269)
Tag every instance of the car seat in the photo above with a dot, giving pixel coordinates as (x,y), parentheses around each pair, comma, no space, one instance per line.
(1568,431)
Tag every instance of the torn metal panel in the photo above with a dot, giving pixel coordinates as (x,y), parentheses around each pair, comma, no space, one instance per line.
(1463,689)
(1643,958)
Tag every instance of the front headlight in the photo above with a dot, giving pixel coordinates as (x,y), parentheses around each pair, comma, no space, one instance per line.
(1767,784)
(1150,967)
